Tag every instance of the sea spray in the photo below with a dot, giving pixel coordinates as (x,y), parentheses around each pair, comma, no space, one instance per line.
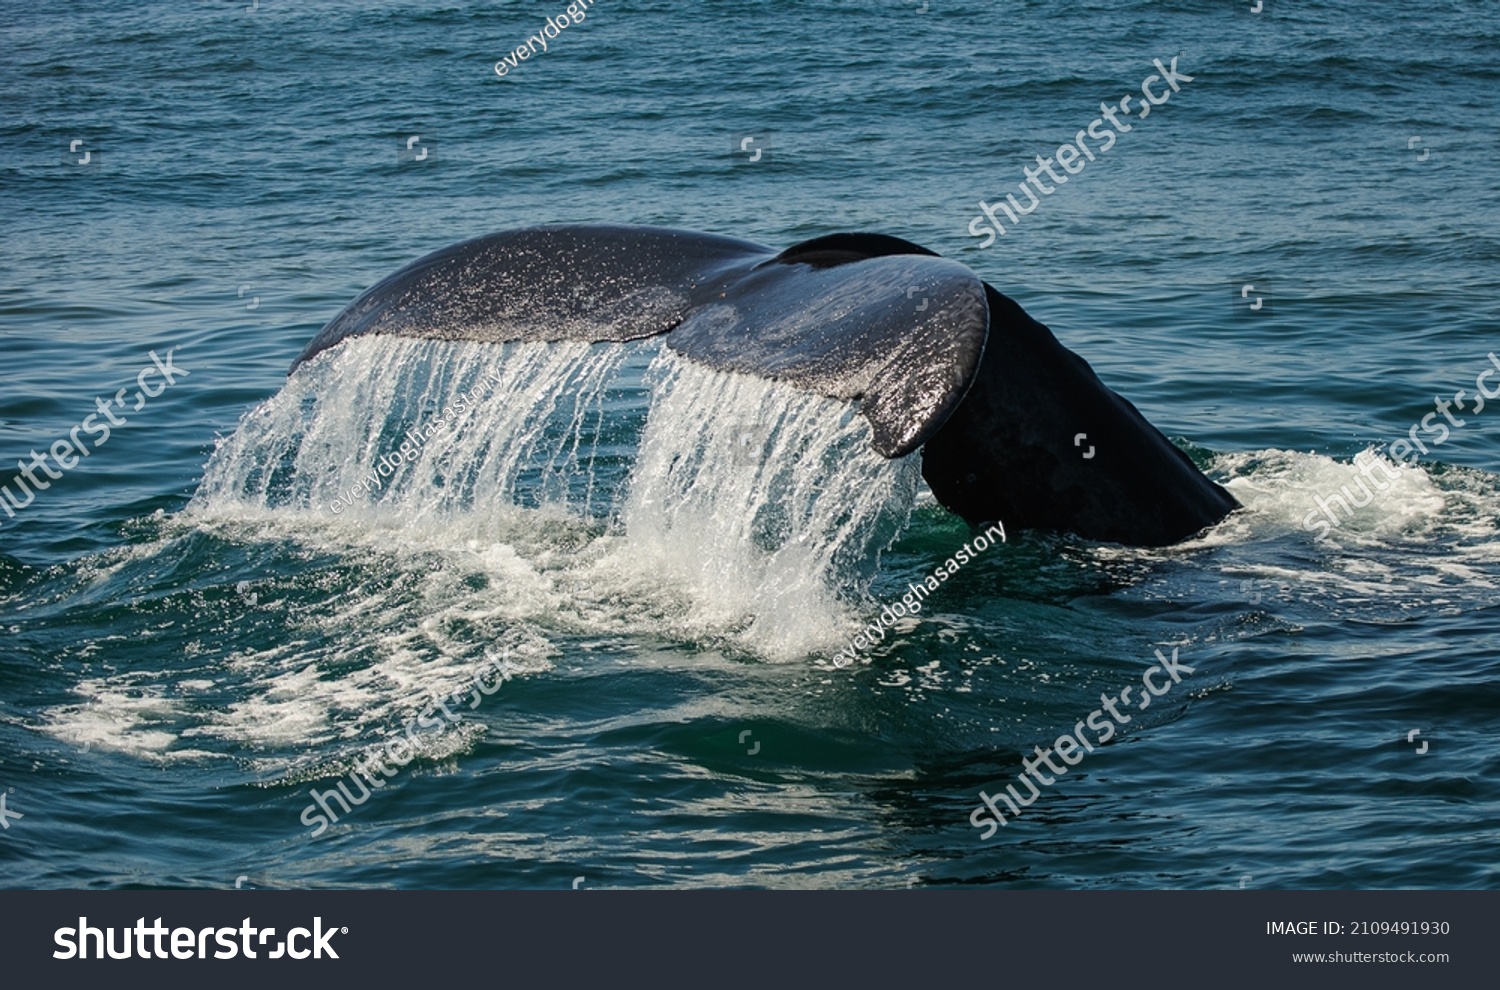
(765,504)
(717,506)
(500,422)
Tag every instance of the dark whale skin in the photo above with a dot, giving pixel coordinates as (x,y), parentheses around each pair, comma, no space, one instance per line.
(1008,452)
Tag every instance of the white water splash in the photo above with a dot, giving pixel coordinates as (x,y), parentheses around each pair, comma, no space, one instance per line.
(569,495)
(421,428)
(761,508)
(1281,491)
(766,506)
(581,498)
(1428,539)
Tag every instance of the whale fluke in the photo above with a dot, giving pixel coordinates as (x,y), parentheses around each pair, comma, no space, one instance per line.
(902,334)
(936,358)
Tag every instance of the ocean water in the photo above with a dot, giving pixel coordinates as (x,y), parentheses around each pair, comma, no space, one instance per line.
(630,577)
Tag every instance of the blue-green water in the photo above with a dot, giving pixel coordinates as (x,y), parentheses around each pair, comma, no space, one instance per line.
(194,640)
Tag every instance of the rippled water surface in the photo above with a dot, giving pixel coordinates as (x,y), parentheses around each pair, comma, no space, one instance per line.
(652,567)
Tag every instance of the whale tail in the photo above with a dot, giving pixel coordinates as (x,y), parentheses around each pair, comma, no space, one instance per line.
(937,359)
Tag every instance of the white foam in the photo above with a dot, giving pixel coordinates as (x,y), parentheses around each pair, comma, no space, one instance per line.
(1280,491)
(1427,538)
(122,717)
(752,515)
